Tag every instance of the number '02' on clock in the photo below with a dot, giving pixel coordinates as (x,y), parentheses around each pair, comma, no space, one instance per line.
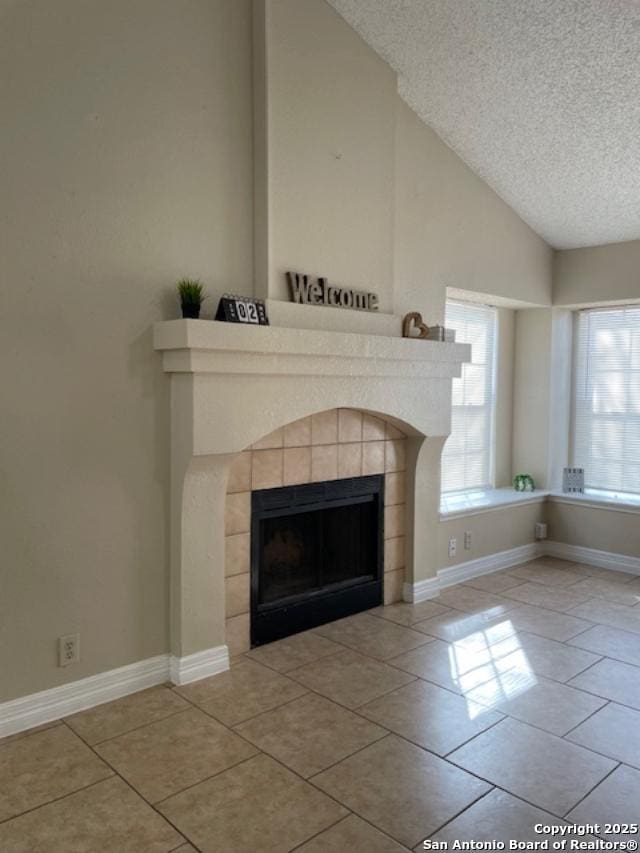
(242,309)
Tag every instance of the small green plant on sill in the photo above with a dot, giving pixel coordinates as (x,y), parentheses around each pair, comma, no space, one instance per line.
(523,483)
(191,293)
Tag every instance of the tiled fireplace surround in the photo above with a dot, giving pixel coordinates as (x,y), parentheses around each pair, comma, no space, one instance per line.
(263,407)
(330,445)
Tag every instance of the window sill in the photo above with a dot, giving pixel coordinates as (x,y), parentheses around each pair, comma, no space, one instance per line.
(477,502)
(598,500)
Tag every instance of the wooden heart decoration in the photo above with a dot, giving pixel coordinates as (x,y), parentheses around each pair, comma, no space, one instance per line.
(413,324)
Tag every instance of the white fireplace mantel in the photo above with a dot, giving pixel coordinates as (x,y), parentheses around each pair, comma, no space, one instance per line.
(206,346)
(233,384)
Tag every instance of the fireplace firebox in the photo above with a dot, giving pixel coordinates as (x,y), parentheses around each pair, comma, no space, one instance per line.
(317,554)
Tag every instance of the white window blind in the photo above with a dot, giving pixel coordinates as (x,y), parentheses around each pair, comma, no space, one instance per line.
(467,459)
(606,435)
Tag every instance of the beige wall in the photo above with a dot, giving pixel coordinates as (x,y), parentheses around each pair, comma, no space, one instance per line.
(452,230)
(330,151)
(492,531)
(126,163)
(597,274)
(603,529)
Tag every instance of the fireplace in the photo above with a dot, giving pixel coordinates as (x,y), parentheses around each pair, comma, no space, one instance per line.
(317,554)
(233,387)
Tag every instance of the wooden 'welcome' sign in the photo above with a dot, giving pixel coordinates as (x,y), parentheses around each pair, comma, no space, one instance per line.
(309,291)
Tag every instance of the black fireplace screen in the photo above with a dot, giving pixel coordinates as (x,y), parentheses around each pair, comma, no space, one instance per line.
(317,554)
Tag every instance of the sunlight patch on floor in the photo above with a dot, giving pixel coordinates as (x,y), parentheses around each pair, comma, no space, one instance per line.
(494,661)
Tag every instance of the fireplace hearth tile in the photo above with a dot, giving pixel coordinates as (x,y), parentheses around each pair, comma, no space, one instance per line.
(393,432)
(298,433)
(349,425)
(237,634)
(395,456)
(395,488)
(240,473)
(267,469)
(273,440)
(373,429)
(372,457)
(238,513)
(394,553)
(297,465)
(237,559)
(393,584)
(324,463)
(349,460)
(394,521)
(237,595)
(324,427)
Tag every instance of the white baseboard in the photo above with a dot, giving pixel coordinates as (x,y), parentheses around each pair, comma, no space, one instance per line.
(430,588)
(452,575)
(48,705)
(421,590)
(199,665)
(592,557)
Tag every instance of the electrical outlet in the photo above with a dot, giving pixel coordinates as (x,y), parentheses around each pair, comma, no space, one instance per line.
(467,540)
(68,649)
(453,547)
(541,530)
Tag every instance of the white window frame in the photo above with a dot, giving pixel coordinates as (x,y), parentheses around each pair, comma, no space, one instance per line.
(491,467)
(591,490)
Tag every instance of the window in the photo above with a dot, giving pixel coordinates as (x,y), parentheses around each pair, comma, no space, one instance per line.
(467,459)
(606,415)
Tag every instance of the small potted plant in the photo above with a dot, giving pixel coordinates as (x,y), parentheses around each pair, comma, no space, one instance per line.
(523,483)
(191,293)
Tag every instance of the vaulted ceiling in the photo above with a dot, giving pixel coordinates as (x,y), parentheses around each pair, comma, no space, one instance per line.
(541,98)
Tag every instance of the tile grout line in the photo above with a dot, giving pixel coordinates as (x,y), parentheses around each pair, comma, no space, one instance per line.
(461,812)
(128,731)
(565,736)
(473,737)
(591,790)
(135,791)
(307,780)
(59,799)
(607,699)
(204,779)
(325,829)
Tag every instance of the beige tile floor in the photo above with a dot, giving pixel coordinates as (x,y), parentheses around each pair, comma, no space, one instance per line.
(511,700)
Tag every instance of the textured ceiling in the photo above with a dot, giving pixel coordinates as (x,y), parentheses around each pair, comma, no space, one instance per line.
(540,97)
